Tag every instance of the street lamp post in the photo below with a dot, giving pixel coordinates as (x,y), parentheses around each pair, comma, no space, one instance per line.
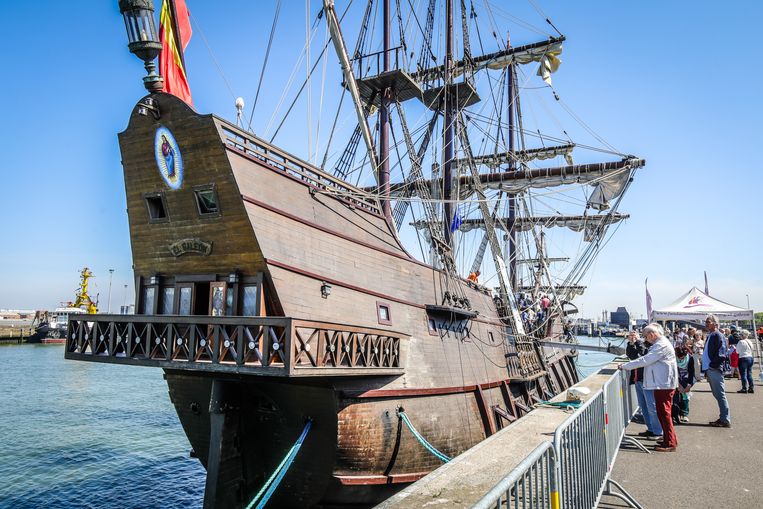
(111,276)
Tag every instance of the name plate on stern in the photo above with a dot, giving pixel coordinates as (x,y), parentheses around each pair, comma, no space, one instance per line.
(192,246)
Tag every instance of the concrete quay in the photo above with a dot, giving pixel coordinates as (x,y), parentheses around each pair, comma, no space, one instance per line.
(712,467)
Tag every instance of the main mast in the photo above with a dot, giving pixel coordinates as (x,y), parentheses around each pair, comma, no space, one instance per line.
(384,188)
(512,254)
(447,177)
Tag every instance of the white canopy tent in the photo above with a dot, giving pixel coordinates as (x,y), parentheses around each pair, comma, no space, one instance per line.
(695,305)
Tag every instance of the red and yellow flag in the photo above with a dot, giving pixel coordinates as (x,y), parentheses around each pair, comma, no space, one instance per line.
(174,34)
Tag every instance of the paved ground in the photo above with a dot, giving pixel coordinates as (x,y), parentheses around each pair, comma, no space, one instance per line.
(712,468)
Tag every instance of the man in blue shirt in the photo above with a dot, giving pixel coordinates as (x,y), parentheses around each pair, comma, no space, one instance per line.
(713,358)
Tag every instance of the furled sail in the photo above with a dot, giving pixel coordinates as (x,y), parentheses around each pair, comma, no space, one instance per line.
(589,224)
(520,180)
(607,189)
(545,52)
(493,161)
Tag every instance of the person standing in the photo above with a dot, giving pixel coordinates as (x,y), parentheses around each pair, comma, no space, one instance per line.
(685,364)
(713,360)
(635,349)
(746,360)
(660,376)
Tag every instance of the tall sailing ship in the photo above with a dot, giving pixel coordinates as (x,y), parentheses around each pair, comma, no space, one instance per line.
(275,291)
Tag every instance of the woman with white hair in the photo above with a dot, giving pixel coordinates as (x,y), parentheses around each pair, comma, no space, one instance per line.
(746,360)
(660,376)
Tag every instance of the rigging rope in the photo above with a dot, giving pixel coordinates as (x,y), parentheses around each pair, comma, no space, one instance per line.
(272,483)
(429,447)
(265,62)
(212,55)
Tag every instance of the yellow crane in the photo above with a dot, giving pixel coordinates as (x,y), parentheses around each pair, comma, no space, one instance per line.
(83,300)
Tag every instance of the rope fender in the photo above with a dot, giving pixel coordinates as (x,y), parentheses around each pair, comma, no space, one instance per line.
(429,447)
(272,483)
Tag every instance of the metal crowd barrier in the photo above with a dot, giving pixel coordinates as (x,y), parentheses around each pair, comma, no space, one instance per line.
(532,484)
(578,463)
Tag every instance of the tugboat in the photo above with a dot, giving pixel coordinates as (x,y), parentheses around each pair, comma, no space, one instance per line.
(280,301)
(52,326)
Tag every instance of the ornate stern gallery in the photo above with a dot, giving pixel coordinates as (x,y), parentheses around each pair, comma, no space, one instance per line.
(278,298)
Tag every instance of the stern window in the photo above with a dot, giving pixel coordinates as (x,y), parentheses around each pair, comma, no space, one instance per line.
(157,208)
(168,301)
(249,306)
(206,200)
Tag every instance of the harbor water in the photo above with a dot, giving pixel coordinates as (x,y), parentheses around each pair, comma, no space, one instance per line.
(80,434)
(589,363)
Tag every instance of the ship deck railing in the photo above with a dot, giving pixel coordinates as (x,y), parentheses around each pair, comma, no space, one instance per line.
(254,147)
(269,346)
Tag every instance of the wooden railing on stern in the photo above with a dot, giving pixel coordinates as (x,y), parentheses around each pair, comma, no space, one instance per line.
(273,346)
(275,158)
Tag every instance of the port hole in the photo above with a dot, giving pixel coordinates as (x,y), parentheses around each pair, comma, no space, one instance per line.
(157,210)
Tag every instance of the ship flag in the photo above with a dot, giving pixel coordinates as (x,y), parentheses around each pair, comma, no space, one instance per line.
(174,34)
(648,300)
(456,222)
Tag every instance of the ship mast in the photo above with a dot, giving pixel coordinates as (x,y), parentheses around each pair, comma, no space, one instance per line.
(512,254)
(384,188)
(447,177)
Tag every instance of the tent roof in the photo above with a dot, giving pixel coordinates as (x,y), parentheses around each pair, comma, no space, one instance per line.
(696,304)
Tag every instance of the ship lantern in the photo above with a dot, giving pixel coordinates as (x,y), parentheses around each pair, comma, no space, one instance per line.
(143,41)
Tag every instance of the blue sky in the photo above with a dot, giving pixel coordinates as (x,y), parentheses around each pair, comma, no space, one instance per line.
(674,82)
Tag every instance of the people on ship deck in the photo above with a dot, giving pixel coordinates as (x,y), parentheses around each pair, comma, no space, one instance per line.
(474,277)
(660,376)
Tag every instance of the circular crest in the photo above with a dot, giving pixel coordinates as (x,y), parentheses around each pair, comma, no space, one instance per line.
(168,158)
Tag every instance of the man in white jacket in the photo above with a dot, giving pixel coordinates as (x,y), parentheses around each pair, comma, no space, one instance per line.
(660,376)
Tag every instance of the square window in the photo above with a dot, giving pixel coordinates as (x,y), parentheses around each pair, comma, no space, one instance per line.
(157,208)
(206,200)
(383,313)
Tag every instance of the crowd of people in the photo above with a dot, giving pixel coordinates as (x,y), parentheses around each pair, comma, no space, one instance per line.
(534,311)
(664,368)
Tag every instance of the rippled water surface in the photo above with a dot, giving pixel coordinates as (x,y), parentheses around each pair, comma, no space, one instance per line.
(81,434)
(590,362)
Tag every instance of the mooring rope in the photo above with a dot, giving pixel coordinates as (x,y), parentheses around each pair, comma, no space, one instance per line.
(565,405)
(429,447)
(275,479)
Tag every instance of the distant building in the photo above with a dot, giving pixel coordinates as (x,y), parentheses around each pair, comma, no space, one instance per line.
(620,317)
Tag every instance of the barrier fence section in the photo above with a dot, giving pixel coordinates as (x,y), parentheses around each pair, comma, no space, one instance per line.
(532,484)
(579,461)
(581,449)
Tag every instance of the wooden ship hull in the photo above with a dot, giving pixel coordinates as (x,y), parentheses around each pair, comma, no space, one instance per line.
(324,316)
